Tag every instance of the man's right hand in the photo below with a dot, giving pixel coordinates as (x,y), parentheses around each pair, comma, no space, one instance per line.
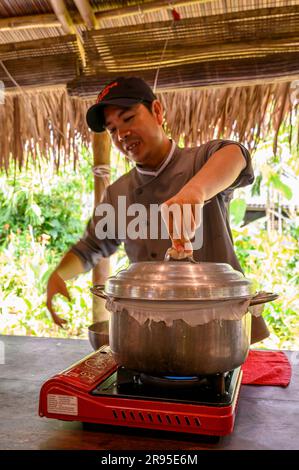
(56,285)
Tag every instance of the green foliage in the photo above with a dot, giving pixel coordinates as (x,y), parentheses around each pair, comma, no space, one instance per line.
(268,248)
(271,261)
(49,205)
(283,188)
(237,210)
(25,267)
(41,216)
(256,187)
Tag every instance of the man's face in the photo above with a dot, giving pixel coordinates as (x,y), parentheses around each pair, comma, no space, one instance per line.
(137,132)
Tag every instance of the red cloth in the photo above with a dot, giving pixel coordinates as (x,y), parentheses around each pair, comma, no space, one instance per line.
(266,368)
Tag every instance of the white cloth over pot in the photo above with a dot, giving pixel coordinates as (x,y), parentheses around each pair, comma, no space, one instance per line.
(192,312)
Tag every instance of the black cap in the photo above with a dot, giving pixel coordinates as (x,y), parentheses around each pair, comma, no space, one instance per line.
(123,91)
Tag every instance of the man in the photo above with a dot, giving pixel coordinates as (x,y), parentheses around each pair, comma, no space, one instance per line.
(128,109)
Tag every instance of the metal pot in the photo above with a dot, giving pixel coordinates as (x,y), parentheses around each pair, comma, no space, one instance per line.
(177,341)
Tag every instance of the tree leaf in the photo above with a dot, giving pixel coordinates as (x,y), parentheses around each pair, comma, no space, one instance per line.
(237,210)
(256,187)
(281,187)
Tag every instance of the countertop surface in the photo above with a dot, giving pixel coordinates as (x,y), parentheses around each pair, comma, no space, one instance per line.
(267,417)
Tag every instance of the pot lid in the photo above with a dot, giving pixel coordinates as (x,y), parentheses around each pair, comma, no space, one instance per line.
(179,280)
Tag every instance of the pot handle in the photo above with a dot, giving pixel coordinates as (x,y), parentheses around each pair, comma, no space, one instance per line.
(168,257)
(98,289)
(262,298)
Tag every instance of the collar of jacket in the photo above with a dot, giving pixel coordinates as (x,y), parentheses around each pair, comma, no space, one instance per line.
(161,168)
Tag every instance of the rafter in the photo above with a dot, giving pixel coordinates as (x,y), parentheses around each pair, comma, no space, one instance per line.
(49,20)
(148,7)
(46,20)
(21,46)
(67,24)
(87,13)
(63,16)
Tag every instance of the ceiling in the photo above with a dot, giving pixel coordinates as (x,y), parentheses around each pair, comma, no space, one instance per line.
(182,44)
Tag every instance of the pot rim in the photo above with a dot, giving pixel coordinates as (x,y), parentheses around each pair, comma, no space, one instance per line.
(258,298)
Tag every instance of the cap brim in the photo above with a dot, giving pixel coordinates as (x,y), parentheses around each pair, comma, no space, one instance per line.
(95,115)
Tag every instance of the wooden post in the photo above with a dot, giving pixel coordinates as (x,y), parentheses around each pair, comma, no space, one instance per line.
(101,156)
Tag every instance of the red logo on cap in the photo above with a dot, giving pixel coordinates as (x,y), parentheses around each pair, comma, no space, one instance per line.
(106,91)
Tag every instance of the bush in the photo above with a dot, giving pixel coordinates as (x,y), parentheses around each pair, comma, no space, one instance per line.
(271,261)
(41,216)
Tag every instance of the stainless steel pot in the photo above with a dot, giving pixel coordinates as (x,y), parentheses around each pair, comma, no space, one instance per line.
(181,349)
(176,345)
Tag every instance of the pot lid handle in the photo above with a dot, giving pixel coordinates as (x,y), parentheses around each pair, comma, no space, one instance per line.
(169,257)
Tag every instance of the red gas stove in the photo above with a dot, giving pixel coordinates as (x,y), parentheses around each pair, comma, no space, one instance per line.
(96,390)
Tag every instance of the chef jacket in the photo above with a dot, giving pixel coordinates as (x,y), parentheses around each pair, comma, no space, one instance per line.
(155,187)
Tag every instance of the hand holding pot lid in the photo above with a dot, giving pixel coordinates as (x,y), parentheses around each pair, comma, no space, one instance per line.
(182,215)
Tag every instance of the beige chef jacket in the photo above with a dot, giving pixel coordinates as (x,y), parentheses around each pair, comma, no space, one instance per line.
(146,187)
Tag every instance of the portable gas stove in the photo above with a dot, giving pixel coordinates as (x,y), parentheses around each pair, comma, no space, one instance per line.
(96,390)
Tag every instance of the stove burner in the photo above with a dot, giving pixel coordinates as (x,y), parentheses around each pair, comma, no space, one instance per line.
(214,389)
(172,377)
(215,383)
(171,382)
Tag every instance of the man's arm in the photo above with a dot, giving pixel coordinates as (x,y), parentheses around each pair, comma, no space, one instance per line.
(82,257)
(70,266)
(218,173)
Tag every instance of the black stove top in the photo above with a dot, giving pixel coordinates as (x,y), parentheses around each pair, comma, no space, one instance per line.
(214,390)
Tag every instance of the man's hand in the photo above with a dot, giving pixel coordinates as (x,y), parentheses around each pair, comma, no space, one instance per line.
(69,267)
(56,285)
(182,216)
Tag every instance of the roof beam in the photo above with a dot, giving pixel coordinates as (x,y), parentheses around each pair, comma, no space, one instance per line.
(49,20)
(87,13)
(63,16)
(67,25)
(44,43)
(148,7)
(195,55)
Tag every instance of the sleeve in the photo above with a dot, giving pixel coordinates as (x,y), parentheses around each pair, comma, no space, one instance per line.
(90,249)
(246,176)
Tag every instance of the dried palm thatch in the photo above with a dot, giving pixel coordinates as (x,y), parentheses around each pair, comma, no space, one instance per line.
(246,113)
(51,125)
(40,125)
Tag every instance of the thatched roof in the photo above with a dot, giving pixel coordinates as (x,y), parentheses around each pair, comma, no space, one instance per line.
(244,113)
(213,42)
(237,59)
